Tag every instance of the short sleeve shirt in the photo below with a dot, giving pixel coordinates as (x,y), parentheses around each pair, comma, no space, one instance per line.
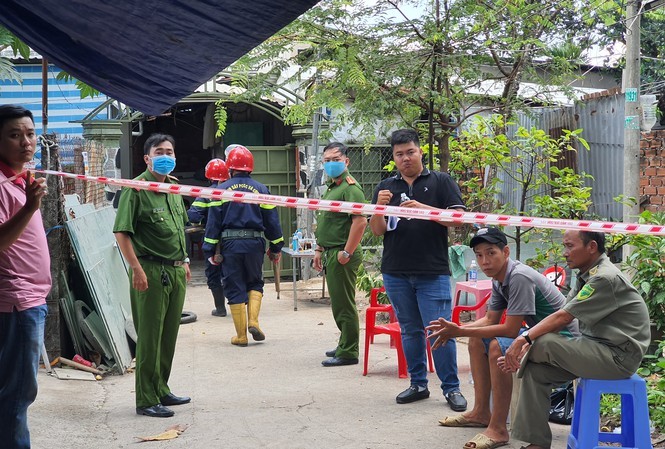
(611,311)
(155,221)
(332,228)
(419,247)
(526,292)
(25,266)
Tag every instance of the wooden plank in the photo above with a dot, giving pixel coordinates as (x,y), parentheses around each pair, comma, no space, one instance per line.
(72,374)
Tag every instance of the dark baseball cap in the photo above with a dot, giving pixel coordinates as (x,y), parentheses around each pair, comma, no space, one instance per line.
(489,235)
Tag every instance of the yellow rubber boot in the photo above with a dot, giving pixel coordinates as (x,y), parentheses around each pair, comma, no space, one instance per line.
(253,309)
(239,314)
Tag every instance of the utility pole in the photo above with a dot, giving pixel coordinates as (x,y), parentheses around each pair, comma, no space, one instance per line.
(632,115)
(44,95)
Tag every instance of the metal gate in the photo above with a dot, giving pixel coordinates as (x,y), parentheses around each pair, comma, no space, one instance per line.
(275,167)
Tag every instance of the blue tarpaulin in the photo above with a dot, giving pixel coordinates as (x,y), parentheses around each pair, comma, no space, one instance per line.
(147,54)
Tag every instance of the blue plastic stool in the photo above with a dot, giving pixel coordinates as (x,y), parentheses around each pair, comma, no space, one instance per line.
(635,433)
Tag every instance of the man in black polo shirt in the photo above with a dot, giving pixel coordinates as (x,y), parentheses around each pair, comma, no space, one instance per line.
(415,264)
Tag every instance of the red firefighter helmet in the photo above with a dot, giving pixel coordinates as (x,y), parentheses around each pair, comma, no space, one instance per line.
(216,170)
(241,159)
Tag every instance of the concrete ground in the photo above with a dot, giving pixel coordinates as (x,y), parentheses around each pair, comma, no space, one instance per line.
(270,394)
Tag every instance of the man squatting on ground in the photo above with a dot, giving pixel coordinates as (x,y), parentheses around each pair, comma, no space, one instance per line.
(338,250)
(614,325)
(25,276)
(415,264)
(526,297)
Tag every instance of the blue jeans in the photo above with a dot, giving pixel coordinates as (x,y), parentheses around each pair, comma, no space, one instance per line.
(417,300)
(21,339)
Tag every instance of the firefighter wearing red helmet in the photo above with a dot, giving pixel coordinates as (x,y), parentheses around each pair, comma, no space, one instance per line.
(241,159)
(241,229)
(216,171)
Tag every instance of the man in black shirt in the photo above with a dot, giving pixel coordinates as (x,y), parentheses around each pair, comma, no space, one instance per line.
(415,264)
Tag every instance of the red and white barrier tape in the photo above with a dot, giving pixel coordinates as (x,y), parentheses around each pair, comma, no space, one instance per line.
(373,209)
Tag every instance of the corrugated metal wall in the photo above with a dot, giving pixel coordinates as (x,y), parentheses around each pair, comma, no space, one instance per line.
(602,120)
(551,120)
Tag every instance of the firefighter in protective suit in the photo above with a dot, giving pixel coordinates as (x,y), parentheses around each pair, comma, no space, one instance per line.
(240,228)
(216,172)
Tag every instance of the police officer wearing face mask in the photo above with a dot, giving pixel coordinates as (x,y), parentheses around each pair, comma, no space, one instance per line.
(150,230)
(338,250)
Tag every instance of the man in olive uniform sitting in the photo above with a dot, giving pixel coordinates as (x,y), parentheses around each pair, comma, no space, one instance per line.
(614,323)
(150,230)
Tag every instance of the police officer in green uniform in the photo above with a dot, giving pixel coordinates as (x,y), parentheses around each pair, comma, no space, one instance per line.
(150,230)
(613,321)
(338,250)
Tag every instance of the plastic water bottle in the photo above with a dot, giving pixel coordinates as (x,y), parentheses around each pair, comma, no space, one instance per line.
(473,273)
(295,243)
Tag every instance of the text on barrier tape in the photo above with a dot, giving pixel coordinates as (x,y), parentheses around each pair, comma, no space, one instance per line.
(373,209)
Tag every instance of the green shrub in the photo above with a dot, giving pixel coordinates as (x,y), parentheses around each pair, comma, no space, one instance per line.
(646,265)
(653,370)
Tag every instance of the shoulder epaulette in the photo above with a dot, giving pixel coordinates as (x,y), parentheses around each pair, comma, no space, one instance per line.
(350,181)
(172,178)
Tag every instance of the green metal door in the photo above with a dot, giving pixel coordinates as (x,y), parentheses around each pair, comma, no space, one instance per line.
(275,167)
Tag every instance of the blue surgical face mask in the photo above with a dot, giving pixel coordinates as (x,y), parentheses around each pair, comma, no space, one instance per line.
(163,165)
(334,168)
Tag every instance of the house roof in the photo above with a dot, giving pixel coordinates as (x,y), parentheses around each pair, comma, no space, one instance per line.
(147,54)
(551,95)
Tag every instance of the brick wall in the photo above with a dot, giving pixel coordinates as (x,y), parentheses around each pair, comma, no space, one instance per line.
(652,170)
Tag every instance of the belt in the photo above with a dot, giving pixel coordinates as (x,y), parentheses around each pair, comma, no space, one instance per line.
(175,263)
(241,234)
(326,248)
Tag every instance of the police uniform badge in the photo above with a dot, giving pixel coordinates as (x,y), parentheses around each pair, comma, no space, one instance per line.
(585,293)
(593,271)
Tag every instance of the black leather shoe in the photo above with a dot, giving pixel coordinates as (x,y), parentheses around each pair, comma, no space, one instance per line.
(219,312)
(155,411)
(172,399)
(331,353)
(412,394)
(456,401)
(339,361)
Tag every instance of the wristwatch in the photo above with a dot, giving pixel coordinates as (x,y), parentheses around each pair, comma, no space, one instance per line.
(186,260)
(346,254)
(525,334)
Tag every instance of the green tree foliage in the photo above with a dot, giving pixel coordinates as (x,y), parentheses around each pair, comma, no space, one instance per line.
(646,263)
(483,159)
(8,40)
(413,62)
(652,41)
(84,89)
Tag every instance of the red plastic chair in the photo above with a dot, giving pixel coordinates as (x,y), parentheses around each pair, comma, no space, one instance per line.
(457,310)
(557,275)
(392,329)
(376,307)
